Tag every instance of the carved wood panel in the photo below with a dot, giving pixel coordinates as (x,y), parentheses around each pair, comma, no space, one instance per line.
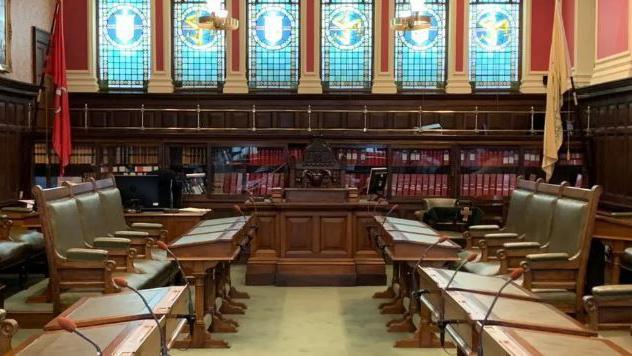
(334,236)
(266,232)
(300,232)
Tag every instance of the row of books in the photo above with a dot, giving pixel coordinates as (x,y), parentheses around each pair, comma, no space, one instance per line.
(266,156)
(357,180)
(195,185)
(574,159)
(123,155)
(81,154)
(487,158)
(488,185)
(129,169)
(361,156)
(421,158)
(413,185)
(532,159)
(194,156)
(297,153)
(258,183)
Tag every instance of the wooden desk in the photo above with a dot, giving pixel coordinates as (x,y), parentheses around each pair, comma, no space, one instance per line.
(615,232)
(506,341)
(314,243)
(139,338)
(468,309)
(403,242)
(206,253)
(170,302)
(176,224)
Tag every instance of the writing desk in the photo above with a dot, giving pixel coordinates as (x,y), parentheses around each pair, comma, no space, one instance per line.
(616,232)
(205,254)
(176,224)
(139,338)
(403,242)
(467,310)
(507,341)
(171,302)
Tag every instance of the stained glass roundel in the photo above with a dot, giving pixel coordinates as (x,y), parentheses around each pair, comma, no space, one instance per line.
(274,28)
(423,39)
(346,29)
(190,32)
(125,26)
(493,28)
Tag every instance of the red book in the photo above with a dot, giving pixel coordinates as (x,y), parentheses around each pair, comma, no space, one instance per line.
(418,184)
(424,185)
(478,178)
(394,177)
(431,185)
(406,191)
(499,184)
(444,185)
(465,185)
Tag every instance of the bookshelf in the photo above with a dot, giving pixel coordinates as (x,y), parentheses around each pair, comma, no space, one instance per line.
(82,165)
(420,172)
(191,163)
(358,161)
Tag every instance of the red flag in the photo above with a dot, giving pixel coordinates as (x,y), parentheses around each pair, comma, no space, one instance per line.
(57,69)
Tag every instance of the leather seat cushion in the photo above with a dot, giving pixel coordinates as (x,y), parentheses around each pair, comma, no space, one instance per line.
(11,252)
(560,298)
(617,291)
(34,239)
(490,268)
(157,273)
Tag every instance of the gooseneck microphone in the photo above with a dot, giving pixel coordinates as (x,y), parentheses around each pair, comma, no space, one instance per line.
(241,212)
(71,327)
(514,275)
(470,258)
(121,282)
(416,293)
(191,316)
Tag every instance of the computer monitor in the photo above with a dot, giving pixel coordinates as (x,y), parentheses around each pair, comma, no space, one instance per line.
(377,181)
(140,192)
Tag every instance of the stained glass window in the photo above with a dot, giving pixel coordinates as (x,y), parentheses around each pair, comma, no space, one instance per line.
(420,56)
(273,43)
(494,43)
(124,35)
(198,54)
(347,43)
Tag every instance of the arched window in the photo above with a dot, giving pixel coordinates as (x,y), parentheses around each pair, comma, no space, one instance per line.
(124,35)
(273,42)
(198,54)
(347,43)
(495,44)
(420,56)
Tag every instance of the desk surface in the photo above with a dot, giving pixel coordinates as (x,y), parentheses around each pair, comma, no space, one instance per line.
(499,340)
(129,338)
(181,213)
(124,306)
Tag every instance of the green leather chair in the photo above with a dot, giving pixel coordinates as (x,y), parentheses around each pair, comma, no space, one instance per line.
(514,227)
(8,328)
(609,307)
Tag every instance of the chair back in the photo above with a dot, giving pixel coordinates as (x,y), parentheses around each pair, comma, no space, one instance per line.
(537,217)
(569,223)
(439,203)
(112,204)
(518,204)
(93,215)
(62,217)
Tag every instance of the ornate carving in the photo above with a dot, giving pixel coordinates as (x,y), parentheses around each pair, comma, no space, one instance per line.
(319,168)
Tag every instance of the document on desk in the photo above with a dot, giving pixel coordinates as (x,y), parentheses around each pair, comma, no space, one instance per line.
(215,228)
(195,239)
(411,229)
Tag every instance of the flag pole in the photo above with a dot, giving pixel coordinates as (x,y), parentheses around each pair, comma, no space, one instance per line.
(41,89)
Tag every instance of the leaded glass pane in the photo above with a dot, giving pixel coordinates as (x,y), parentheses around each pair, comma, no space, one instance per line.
(494,43)
(124,43)
(420,56)
(273,42)
(198,54)
(347,43)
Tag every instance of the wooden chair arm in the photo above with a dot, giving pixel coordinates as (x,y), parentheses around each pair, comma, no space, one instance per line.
(8,328)
(5,228)
(88,273)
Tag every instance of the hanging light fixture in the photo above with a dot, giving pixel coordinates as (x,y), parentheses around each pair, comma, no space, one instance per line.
(218,18)
(412,20)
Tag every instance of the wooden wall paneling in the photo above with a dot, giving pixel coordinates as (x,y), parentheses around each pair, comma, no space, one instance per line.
(333,232)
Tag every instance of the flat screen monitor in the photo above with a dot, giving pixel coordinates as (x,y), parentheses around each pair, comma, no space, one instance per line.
(377,181)
(139,192)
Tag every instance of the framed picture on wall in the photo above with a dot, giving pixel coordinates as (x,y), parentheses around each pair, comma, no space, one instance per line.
(5,35)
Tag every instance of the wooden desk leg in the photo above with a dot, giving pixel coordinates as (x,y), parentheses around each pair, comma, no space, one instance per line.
(220,324)
(405,324)
(617,250)
(395,306)
(389,293)
(233,293)
(201,338)
(424,337)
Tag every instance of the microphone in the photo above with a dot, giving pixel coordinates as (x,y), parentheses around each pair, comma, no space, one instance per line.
(470,258)
(416,293)
(388,213)
(71,327)
(122,283)
(514,275)
(191,317)
(241,212)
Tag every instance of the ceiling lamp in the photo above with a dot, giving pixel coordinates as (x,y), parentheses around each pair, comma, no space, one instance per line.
(218,18)
(412,20)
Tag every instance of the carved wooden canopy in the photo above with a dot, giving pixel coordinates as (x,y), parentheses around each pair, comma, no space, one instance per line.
(318,155)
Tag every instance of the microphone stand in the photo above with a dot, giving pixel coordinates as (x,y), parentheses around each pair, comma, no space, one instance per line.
(191,316)
(443,323)
(163,342)
(71,327)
